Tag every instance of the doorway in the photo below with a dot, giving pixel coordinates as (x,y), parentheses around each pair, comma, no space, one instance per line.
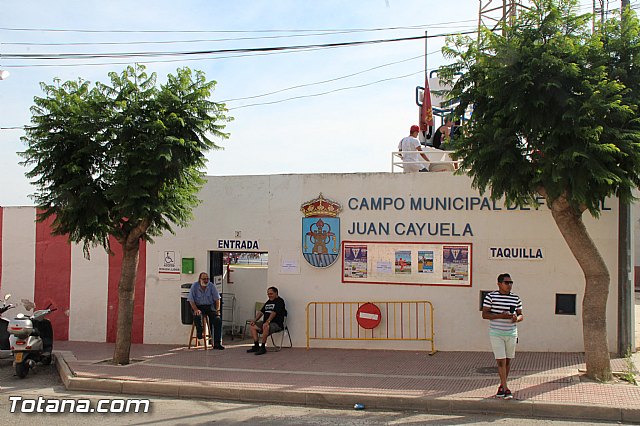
(241,280)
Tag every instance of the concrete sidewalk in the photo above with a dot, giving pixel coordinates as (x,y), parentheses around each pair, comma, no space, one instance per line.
(545,385)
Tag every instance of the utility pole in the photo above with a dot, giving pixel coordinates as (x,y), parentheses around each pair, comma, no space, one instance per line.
(626,310)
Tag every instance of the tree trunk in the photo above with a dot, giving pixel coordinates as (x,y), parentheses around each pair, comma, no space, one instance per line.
(126,295)
(596,291)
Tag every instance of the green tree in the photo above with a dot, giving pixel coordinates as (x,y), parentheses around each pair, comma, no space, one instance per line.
(555,114)
(125,160)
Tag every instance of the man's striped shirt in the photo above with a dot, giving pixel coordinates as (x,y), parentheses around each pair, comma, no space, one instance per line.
(499,303)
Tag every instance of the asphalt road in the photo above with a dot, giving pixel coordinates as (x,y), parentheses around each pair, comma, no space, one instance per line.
(45,383)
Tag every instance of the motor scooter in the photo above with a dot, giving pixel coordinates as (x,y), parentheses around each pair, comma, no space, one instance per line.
(5,348)
(31,340)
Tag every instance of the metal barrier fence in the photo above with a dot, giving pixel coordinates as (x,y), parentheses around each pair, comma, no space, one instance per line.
(439,161)
(400,320)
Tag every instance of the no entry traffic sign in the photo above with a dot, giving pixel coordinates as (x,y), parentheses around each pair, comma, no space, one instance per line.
(368,316)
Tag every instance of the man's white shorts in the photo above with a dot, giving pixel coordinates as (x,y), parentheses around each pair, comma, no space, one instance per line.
(413,167)
(504,346)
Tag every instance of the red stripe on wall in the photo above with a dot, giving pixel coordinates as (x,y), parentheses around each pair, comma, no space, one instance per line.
(115,266)
(53,277)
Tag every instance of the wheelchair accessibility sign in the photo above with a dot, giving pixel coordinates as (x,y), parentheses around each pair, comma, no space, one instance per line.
(169,265)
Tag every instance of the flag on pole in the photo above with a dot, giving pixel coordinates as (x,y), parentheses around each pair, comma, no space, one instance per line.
(426,111)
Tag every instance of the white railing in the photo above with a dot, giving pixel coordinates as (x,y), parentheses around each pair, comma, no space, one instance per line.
(439,161)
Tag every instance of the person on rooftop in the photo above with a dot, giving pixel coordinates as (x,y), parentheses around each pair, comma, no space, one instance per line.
(408,147)
(443,133)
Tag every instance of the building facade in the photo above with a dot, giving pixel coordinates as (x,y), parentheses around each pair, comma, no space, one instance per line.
(361,237)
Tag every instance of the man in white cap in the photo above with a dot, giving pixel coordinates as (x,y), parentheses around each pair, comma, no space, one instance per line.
(411,159)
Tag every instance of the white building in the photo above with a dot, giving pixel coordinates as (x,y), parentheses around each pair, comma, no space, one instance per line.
(452,242)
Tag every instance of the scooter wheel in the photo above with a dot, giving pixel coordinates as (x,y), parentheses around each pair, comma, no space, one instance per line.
(22,369)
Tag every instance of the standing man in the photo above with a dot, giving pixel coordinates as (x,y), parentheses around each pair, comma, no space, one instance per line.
(503,309)
(411,159)
(273,313)
(202,298)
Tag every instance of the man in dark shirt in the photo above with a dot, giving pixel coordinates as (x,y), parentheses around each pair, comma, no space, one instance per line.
(273,313)
(443,133)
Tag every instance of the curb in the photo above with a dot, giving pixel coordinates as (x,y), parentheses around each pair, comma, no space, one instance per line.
(490,406)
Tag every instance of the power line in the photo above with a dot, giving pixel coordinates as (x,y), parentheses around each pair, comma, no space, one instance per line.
(76,30)
(327,92)
(161,60)
(324,81)
(190,41)
(129,43)
(309,84)
(251,52)
(291,98)
(71,56)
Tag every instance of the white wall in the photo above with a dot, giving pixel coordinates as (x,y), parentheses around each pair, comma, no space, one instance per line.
(18,255)
(267,209)
(249,286)
(88,298)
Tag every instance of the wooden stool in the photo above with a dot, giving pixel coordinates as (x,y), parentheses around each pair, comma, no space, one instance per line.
(206,334)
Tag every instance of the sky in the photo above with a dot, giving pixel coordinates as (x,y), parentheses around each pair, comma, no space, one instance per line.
(350,106)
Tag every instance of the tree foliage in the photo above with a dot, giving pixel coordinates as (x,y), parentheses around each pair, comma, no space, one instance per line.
(555,113)
(107,159)
(555,106)
(123,160)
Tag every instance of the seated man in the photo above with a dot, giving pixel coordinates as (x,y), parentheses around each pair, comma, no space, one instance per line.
(203,295)
(273,313)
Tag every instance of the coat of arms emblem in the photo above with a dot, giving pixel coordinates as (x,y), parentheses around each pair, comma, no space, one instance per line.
(321,231)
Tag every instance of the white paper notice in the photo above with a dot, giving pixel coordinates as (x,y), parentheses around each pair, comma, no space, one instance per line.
(384,267)
(289,263)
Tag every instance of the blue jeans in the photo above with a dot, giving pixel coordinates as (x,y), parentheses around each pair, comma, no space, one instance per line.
(214,320)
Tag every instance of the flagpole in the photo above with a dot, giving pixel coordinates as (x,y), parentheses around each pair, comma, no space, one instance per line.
(426,68)
(426,79)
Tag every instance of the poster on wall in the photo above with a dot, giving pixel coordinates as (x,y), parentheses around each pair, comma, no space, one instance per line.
(355,261)
(403,262)
(444,264)
(455,263)
(425,262)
